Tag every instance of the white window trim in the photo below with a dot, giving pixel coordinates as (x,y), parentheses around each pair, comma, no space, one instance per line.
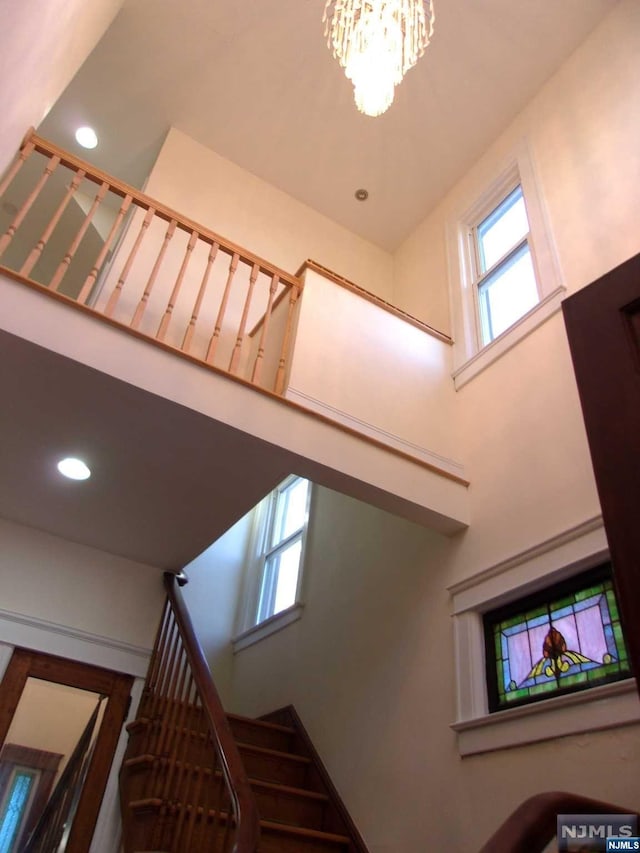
(470,357)
(607,706)
(248,631)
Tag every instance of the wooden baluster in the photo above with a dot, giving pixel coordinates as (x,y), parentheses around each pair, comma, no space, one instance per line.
(93,275)
(26,206)
(155,706)
(213,343)
(257,367)
(36,252)
(137,317)
(294,292)
(73,248)
(183,781)
(188,335)
(18,163)
(235,355)
(177,727)
(113,299)
(164,323)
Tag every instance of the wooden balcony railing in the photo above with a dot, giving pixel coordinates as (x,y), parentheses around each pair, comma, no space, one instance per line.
(78,232)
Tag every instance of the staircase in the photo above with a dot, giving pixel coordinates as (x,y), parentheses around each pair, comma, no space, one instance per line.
(197,780)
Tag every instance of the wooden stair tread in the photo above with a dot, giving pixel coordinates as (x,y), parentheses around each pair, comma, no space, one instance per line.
(274,753)
(263,724)
(303,832)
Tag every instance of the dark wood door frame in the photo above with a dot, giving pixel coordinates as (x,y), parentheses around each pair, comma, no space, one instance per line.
(115,686)
(603,326)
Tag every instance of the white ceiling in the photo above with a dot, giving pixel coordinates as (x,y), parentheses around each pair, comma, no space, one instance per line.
(255,81)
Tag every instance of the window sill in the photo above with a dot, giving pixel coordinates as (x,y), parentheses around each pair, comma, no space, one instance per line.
(268,627)
(547,306)
(605,707)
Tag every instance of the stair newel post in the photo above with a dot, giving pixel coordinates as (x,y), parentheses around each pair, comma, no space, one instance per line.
(188,335)
(51,166)
(137,317)
(257,367)
(235,355)
(166,319)
(215,337)
(294,292)
(37,251)
(65,263)
(104,251)
(115,296)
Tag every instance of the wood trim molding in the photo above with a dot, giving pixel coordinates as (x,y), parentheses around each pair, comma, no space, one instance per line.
(116,686)
(18,629)
(441,464)
(371,297)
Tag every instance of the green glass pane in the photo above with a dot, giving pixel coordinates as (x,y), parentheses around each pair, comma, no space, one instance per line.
(613,607)
(588,593)
(563,602)
(579,678)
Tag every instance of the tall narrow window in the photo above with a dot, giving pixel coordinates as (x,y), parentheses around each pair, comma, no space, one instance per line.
(283,547)
(14,808)
(506,286)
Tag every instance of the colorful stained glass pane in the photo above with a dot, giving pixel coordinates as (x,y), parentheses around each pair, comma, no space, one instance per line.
(14,807)
(571,641)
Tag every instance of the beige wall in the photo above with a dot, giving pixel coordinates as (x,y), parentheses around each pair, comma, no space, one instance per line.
(370,665)
(47,578)
(42,45)
(245,209)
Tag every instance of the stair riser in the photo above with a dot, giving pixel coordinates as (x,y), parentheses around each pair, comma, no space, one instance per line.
(274,769)
(291,809)
(247,732)
(275,842)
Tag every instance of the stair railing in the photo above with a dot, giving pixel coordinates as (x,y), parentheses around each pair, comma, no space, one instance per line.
(209,799)
(531,827)
(87,237)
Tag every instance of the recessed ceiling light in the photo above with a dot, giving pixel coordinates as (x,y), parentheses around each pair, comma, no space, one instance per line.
(362,194)
(87,137)
(74,469)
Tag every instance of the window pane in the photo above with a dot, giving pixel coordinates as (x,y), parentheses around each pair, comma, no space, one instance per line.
(280,581)
(507,294)
(502,230)
(291,510)
(289,564)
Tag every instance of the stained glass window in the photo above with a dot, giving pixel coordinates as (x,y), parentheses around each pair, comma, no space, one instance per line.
(563,639)
(14,807)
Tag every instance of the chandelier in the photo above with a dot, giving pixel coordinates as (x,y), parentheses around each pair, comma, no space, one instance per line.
(377,42)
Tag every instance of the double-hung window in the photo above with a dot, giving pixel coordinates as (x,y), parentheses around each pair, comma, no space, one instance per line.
(506,286)
(283,546)
(503,271)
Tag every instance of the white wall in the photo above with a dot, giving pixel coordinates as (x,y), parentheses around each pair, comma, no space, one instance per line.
(215,579)
(523,442)
(370,665)
(204,186)
(45,578)
(42,45)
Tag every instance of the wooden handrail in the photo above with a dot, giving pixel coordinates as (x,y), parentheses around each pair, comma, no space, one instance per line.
(533,824)
(244,806)
(123,189)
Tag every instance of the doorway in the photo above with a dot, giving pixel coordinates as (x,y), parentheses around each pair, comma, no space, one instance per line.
(99,699)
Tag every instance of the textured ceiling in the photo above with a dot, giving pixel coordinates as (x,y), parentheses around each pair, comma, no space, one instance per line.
(255,82)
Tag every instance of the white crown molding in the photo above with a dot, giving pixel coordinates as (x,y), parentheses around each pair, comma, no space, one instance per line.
(450,466)
(18,629)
